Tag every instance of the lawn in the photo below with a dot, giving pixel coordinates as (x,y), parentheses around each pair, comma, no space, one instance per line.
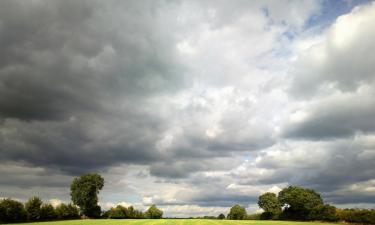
(174,221)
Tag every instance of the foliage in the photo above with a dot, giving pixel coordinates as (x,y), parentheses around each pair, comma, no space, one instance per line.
(237,212)
(323,212)
(253,216)
(221,216)
(357,215)
(47,212)
(67,211)
(139,214)
(32,207)
(171,222)
(270,204)
(154,213)
(84,193)
(121,212)
(12,211)
(298,202)
(118,213)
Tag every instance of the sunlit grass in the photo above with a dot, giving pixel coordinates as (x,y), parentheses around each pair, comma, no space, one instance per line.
(174,222)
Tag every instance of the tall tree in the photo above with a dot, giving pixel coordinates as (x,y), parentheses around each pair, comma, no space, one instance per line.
(221,216)
(84,193)
(33,208)
(237,212)
(47,212)
(68,211)
(11,211)
(299,201)
(154,213)
(270,204)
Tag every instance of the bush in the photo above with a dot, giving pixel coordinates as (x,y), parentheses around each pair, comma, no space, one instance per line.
(65,211)
(32,207)
(139,214)
(221,216)
(323,212)
(270,204)
(254,216)
(118,213)
(121,212)
(237,212)
(47,212)
(106,214)
(154,213)
(298,202)
(12,211)
(267,216)
(357,215)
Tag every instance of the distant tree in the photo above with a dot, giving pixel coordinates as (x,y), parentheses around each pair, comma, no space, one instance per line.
(84,193)
(324,212)
(237,212)
(47,212)
(119,212)
(67,211)
(154,213)
(221,216)
(12,211)
(358,216)
(298,202)
(130,212)
(32,207)
(270,204)
(139,214)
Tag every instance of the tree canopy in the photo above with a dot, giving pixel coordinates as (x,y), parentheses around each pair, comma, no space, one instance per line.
(33,206)
(237,212)
(11,211)
(154,213)
(270,204)
(299,201)
(84,193)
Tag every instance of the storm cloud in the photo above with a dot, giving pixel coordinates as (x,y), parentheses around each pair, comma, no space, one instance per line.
(192,105)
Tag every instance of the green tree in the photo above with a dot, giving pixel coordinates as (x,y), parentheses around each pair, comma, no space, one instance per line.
(221,216)
(84,193)
(12,211)
(237,212)
(47,212)
(67,211)
(154,213)
(32,207)
(139,214)
(324,212)
(299,202)
(120,212)
(270,204)
(130,212)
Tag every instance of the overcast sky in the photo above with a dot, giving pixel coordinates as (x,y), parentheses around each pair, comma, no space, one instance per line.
(191,105)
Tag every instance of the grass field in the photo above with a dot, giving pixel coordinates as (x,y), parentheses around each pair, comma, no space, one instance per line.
(173,221)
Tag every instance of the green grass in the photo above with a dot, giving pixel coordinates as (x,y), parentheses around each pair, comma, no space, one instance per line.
(174,222)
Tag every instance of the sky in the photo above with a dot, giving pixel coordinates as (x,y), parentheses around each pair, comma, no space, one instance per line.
(191,105)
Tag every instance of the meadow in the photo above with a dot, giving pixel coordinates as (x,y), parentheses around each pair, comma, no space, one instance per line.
(174,222)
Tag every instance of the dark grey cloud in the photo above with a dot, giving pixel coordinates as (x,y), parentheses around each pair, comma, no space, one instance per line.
(85,86)
(63,57)
(179,102)
(332,167)
(336,118)
(76,80)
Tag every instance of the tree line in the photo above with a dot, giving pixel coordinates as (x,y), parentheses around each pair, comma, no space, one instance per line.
(299,203)
(291,203)
(84,192)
